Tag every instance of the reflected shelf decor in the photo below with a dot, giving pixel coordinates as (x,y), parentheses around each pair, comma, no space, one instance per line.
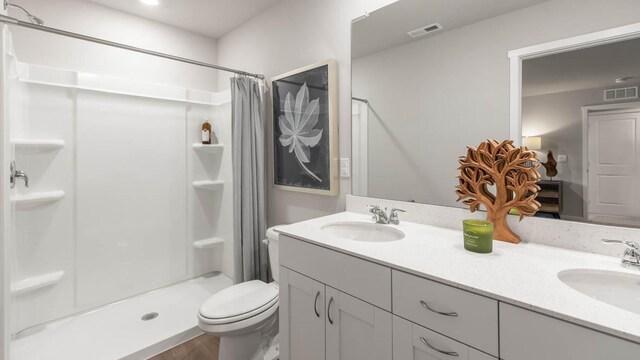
(507,169)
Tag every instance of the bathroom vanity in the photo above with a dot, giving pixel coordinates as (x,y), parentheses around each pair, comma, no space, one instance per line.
(352,289)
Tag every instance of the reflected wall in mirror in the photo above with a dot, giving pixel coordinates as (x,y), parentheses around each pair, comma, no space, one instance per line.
(418,102)
(583,106)
(426,98)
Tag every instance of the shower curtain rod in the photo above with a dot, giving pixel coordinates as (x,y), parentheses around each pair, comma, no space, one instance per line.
(13,21)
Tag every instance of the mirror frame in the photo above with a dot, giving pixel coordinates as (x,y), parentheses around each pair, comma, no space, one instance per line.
(516,57)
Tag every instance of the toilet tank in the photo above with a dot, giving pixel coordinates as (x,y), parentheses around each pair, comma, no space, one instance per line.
(274,256)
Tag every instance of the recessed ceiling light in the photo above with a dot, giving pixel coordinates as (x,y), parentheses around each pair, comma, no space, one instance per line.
(622,80)
(150,2)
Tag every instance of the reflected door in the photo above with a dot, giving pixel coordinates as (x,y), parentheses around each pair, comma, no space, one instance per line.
(613,162)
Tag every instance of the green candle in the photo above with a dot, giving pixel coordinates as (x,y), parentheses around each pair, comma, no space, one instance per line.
(478,235)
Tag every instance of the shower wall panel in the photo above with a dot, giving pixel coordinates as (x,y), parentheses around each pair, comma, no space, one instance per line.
(131,195)
(121,213)
(44,234)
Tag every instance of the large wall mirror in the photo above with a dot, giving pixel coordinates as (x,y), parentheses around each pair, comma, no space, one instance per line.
(429,79)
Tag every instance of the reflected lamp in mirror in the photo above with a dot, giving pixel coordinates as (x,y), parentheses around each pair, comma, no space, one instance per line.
(532,142)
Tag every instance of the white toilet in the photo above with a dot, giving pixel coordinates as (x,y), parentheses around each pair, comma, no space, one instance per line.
(245,316)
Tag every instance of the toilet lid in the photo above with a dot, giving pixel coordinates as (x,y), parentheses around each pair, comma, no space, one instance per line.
(241,299)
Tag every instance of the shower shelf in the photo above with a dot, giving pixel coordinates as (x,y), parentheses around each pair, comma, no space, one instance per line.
(25,201)
(34,283)
(37,145)
(208,243)
(208,184)
(210,149)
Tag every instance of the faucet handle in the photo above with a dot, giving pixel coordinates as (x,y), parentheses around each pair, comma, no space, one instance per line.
(630,244)
(373,208)
(393,216)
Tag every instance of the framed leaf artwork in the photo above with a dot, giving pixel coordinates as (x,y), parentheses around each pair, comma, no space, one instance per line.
(305,129)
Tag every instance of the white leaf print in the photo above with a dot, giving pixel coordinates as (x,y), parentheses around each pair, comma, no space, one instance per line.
(297,127)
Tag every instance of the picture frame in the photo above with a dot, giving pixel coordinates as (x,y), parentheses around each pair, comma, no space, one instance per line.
(305,129)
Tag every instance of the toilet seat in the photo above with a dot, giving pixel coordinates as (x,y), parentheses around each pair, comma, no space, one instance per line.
(239,302)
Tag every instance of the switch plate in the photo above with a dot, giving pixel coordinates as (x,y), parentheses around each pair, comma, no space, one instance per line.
(345,168)
(562,158)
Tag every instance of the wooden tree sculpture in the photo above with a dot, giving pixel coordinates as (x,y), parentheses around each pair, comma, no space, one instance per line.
(513,172)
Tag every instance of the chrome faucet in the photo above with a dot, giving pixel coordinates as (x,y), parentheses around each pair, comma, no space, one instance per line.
(631,256)
(14,174)
(380,216)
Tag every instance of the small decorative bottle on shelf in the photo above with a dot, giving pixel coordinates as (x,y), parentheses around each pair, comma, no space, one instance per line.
(206,132)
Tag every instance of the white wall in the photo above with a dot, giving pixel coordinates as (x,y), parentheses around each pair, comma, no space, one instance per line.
(94,20)
(292,34)
(434,97)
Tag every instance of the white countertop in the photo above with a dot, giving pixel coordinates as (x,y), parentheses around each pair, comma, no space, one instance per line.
(520,274)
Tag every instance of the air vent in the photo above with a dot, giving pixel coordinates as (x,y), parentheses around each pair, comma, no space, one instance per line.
(621,94)
(425,30)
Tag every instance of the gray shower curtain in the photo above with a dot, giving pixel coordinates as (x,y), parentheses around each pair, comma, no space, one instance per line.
(247,118)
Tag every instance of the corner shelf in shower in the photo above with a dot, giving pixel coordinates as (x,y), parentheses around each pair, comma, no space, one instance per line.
(208,243)
(25,201)
(208,184)
(37,145)
(210,149)
(34,283)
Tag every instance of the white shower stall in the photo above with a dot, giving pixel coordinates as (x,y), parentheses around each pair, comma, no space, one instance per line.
(123,200)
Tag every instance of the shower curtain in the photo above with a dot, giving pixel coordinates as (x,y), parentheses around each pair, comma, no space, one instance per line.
(248,115)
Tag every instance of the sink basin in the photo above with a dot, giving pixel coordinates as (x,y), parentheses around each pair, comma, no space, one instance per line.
(361,231)
(621,290)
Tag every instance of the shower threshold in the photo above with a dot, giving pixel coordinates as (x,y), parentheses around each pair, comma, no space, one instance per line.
(133,329)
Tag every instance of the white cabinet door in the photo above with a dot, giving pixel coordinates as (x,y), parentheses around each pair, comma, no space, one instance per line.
(302,316)
(356,330)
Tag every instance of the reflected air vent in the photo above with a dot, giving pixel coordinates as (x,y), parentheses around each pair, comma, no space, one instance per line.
(621,94)
(425,30)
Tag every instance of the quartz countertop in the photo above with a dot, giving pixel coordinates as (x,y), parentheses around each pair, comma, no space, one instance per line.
(524,274)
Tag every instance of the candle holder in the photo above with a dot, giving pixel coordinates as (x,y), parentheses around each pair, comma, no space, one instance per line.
(478,235)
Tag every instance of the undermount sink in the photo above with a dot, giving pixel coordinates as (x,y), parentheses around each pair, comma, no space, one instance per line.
(361,231)
(621,290)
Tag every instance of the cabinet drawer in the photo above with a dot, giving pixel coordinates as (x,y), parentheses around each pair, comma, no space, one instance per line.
(363,279)
(464,316)
(527,335)
(413,342)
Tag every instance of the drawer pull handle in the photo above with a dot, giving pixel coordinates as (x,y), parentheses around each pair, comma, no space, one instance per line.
(329,311)
(424,305)
(449,353)
(315,304)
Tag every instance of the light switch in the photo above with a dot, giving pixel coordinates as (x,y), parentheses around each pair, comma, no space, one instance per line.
(562,158)
(345,168)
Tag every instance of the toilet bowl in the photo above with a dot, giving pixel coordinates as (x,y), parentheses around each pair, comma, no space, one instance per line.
(245,316)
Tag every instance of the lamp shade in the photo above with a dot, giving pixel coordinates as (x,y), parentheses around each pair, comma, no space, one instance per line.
(532,142)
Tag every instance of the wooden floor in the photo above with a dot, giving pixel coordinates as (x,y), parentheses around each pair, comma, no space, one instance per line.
(204,347)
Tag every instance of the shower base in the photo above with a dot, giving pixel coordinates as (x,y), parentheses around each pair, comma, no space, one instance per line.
(117,331)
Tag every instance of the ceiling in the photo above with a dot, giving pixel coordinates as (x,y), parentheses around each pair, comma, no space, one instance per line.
(387,27)
(589,68)
(212,18)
